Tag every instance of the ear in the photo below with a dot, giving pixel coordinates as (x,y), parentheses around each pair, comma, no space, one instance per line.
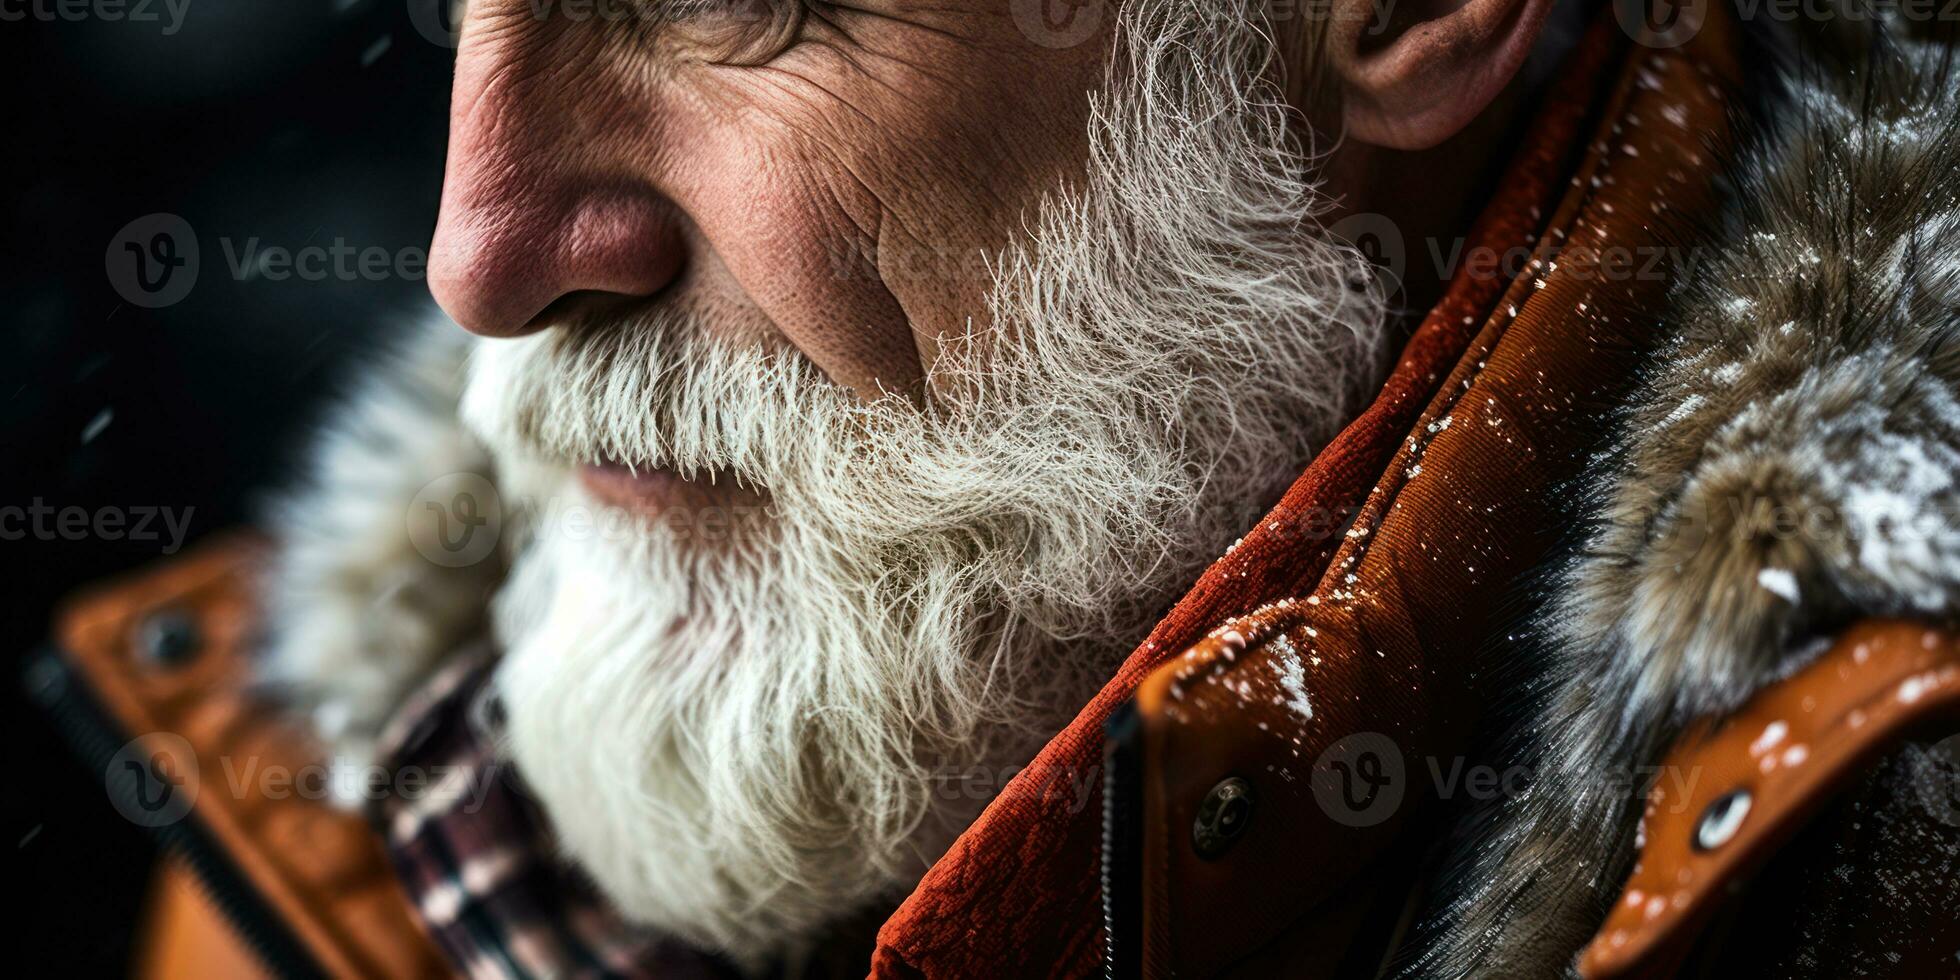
(1414,72)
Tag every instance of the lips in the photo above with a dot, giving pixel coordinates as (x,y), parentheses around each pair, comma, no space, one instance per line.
(657,490)
(621,486)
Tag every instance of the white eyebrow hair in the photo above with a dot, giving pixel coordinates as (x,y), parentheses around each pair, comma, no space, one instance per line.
(654,9)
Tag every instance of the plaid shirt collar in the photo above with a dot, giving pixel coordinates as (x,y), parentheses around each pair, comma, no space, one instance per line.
(477,858)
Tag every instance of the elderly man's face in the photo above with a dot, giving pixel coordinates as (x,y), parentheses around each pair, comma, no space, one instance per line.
(828,176)
(1011,337)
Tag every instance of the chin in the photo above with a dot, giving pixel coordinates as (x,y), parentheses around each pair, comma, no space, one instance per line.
(735,750)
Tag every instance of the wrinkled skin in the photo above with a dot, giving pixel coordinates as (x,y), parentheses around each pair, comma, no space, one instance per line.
(833,176)
(750,161)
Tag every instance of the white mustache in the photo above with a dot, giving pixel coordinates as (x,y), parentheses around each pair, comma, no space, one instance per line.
(649,392)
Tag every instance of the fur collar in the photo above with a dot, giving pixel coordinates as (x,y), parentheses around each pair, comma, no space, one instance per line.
(1791,461)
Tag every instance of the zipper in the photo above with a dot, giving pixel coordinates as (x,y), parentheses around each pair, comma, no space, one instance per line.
(89,730)
(1122,865)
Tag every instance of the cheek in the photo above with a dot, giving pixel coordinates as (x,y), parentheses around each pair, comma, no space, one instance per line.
(794,238)
(959,166)
(856,201)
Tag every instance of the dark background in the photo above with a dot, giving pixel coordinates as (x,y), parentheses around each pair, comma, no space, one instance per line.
(296,122)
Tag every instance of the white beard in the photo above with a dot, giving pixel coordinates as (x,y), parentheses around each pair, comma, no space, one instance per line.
(744,740)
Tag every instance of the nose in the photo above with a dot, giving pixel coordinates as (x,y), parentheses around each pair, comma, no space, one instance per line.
(532,210)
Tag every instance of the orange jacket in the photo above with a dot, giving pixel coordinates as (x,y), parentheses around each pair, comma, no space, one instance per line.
(1230,837)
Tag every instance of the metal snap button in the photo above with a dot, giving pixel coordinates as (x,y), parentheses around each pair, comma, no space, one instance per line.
(168,638)
(1222,817)
(1719,823)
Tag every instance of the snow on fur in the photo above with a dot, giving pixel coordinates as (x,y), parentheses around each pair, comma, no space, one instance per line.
(1790,464)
